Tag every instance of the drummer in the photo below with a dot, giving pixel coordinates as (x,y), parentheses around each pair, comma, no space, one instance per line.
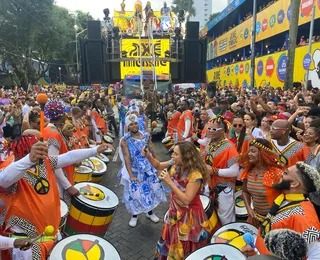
(30,193)
(82,130)
(173,119)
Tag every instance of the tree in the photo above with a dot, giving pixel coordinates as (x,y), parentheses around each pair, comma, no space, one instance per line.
(293,33)
(212,16)
(186,5)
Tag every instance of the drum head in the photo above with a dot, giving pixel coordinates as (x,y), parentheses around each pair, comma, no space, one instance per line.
(108,200)
(107,152)
(108,139)
(111,135)
(216,252)
(103,158)
(84,246)
(83,170)
(87,163)
(99,166)
(205,201)
(63,208)
(166,140)
(241,209)
(232,234)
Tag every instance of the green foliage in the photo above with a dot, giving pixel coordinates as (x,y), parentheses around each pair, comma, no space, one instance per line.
(186,5)
(37,30)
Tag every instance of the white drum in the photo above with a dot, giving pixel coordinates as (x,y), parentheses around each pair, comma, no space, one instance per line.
(241,210)
(216,251)
(84,247)
(64,210)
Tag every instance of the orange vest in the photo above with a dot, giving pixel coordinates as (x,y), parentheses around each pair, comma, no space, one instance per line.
(100,122)
(51,133)
(39,210)
(181,124)
(173,120)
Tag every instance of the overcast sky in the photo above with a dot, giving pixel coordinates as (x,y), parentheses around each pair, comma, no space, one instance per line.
(95,7)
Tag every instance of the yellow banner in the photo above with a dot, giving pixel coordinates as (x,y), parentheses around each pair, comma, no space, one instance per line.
(270,69)
(124,20)
(273,20)
(130,49)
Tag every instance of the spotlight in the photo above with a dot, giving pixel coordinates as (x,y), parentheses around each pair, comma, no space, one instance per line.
(106,14)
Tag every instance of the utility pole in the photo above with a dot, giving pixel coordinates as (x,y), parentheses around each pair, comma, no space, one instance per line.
(293,33)
(253,44)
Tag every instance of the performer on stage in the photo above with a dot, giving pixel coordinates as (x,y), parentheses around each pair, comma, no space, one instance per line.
(185,125)
(221,158)
(290,151)
(292,210)
(186,228)
(142,190)
(30,193)
(261,171)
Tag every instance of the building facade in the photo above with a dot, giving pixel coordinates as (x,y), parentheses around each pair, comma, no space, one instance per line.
(203,12)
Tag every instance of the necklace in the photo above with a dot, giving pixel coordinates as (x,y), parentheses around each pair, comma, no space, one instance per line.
(41,186)
(213,147)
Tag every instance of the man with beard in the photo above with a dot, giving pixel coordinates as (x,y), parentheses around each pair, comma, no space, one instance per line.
(292,209)
(143,191)
(289,150)
(221,158)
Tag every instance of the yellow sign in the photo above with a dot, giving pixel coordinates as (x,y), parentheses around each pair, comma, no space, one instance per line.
(273,20)
(270,69)
(124,19)
(130,49)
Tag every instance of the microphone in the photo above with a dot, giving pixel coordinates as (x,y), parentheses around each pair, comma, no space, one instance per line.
(171,163)
(249,239)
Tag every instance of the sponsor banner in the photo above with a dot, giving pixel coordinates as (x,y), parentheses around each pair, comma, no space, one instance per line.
(130,49)
(270,69)
(273,20)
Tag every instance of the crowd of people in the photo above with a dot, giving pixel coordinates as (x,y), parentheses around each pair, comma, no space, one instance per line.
(266,138)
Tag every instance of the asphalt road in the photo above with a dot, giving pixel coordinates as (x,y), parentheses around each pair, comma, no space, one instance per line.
(139,242)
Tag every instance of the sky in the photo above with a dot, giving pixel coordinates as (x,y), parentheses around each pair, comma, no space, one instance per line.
(95,7)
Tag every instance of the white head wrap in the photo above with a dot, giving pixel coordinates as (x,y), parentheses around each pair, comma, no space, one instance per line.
(134,109)
(131,119)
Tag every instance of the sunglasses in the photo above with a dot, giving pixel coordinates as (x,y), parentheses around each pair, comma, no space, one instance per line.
(235,125)
(214,129)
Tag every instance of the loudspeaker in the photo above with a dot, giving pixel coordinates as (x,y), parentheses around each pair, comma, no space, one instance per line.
(94,68)
(192,32)
(212,89)
(192,61)
(94,30)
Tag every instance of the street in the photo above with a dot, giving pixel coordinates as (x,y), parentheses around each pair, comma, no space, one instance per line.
(139,242)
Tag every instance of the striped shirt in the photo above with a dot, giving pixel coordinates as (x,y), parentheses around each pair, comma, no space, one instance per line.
(257,191)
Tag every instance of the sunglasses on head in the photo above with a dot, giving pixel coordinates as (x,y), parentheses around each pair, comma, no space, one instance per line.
(214,129)
(239,125)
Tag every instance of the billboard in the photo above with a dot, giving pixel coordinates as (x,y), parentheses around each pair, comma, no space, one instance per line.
(270,69)
(273,20)
(130,48)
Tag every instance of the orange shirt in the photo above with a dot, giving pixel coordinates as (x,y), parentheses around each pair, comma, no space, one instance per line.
(54,138)
(301,218)
(30,211)
(173,120)
(222,156)
(294,152)
(204,134)
(100,122)
(181,124)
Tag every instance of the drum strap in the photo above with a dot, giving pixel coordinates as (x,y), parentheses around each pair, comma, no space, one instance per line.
(40,240)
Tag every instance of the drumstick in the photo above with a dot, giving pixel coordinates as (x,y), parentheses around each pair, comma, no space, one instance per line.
(49,230)
(42,99)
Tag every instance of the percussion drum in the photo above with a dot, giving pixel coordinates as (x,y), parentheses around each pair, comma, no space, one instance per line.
(84,247)
(108,153)
(82,174)
(232,234)
(210,212)
(167,142)
(103,158)
(238,185)
(241,210)
(112,135)
(88,163)
(89,213)
(99,169)
(64,214)
(107,139)
(216,252)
